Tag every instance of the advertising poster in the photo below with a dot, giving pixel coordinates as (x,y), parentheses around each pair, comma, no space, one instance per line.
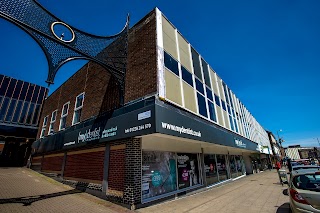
(188,172)
(158,173)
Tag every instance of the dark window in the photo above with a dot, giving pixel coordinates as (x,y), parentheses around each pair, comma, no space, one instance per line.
(1,100)
(30,112)
(199,86)
(202,105)
(11,110)
(17,112)
(230,96)
(225,91)
(41,95)
(223,105)
(36,114)
(187,76)
(24,112)
(209,94)
(4,85)
(171,64)
(235,125)
(217,99)
(1,78)
(35,94)
(17,90)
(211,111)
(30,92)
(231,123)
(24,91)
(196,63)
(229,110)
(206,73)
(233,113)
(4,108)
(11,88)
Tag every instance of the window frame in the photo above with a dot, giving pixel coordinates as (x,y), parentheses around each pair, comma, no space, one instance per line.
(64,115)
(44,125)
(51,127)
(77,108)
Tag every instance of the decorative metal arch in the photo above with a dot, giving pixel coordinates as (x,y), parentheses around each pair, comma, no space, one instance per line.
(108,51)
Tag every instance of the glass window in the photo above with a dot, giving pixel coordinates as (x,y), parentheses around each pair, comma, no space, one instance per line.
(4,86)
(209,94)
(235,125)
(217,99)
(35,94)
(188,172)
(41,95)
(225,92)
(222,167)
(78,109)
(4,108)
(24,91)
(44,124)
(36,114)
(171,63)
(240,165)
(11,87)
(30,113)
(17,90)
(231,122)
(202,105)
(310,182)
(53,120)
(210,168)
(30,92)
(11,110)
(199,86)
(17,112)
(212,111)
(159,173)
(63,118)
(196,63)
(233,167)
(229,110)
(24,112)
(187,76)
(223,105)
(206,73)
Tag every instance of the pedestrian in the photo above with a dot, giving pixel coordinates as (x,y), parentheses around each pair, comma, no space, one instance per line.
(278,165)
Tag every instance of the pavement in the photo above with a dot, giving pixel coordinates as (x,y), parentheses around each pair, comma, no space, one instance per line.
(24,190)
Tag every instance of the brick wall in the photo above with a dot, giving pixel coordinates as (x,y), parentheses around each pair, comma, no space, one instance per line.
(141,75)
(132,191)
(85,165)
(52,163)
(101,90)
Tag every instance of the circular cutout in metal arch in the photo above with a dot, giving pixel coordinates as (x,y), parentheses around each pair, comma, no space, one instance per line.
(62,32)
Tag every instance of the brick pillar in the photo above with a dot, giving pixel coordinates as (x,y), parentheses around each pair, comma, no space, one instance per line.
(132,187)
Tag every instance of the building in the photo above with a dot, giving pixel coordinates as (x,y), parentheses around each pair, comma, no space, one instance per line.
(275,146)
(180,128)
(20,106)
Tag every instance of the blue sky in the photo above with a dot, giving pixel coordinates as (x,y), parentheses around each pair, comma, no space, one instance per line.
(266,51)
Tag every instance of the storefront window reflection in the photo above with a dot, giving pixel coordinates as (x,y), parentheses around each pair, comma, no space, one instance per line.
(233,166)
(239,164)
(222,167)
(188,172)
(158,173)
(210,169)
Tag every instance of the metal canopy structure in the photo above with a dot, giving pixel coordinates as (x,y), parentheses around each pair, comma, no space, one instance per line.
(108,51)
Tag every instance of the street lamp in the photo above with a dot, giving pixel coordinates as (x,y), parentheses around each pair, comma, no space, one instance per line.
(279,139)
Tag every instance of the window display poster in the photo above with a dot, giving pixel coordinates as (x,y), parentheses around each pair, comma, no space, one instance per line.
(158,173)
(188,172)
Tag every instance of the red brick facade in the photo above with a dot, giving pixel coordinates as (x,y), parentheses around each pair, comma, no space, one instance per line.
(101,90)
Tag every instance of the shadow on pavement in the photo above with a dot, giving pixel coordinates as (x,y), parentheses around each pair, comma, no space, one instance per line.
(284,208)
(27,201)
(285,192)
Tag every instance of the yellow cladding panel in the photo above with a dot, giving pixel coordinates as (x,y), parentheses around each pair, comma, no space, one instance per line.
(221,89)
(169,38)
(219,112)
(173,88)
(184,53)
(226,119)
(189,97)
(213,81)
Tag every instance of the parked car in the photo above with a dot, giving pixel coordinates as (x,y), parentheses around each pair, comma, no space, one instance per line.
(304,190)
(298,167)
